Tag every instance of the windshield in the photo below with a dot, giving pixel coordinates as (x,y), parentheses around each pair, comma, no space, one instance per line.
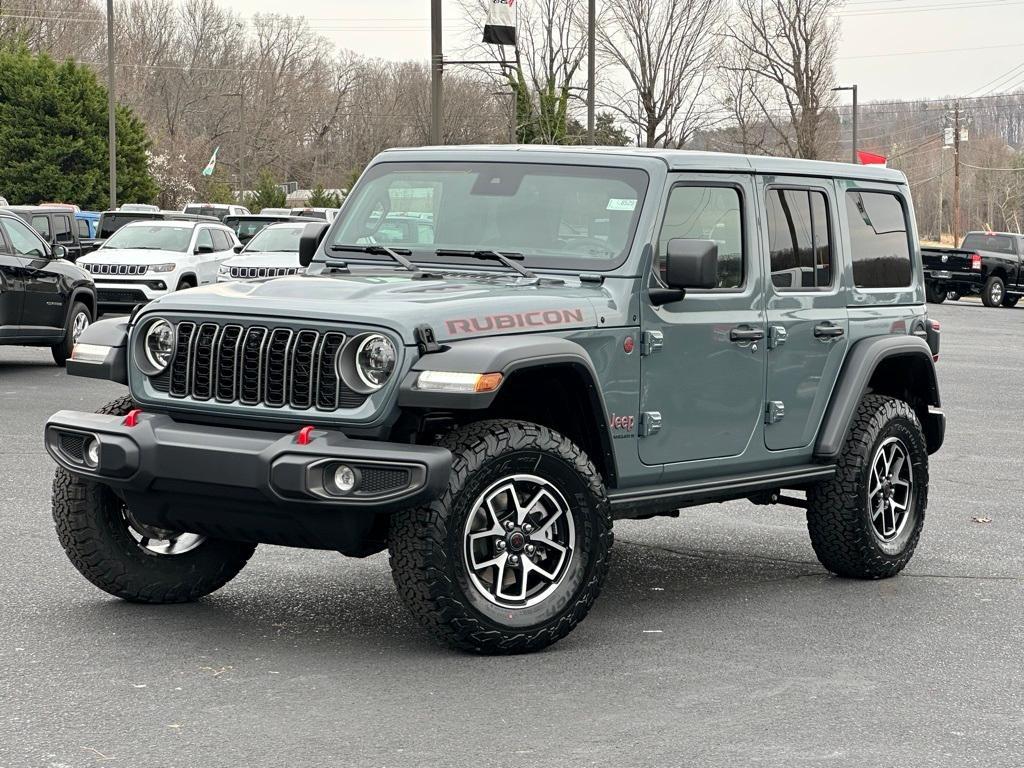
(979,241)
(284,239)
(218,211)
(247,229)
(554,215)
(151,237)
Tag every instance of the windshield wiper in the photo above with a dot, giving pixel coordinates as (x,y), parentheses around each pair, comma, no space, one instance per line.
(491,255)
(398,254)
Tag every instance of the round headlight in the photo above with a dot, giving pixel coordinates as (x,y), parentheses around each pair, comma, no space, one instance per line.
(159,345)
(375,360)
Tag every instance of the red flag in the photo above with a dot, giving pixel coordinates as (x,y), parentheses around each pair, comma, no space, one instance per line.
(867,158)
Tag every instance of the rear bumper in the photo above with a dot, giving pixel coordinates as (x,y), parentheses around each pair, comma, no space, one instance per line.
(963,282)
(244,484)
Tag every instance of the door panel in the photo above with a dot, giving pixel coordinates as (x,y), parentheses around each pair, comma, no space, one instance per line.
(43,303)
(807,318)
(707,386)
(12,289)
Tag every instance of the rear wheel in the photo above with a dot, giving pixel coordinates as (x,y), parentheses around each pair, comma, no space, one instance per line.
(78,320)
(934,293)
(128,559)
(994,292)
(513,554)
(865,522)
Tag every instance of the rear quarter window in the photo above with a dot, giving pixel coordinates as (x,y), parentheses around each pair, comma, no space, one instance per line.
(879,239)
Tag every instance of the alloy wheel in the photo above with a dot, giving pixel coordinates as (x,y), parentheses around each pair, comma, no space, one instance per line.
(78,325)
(890,489)
(159,541)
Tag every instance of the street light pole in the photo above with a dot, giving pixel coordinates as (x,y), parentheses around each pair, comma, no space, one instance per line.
(111,105)
(436,64)
(591,67)
(853,89)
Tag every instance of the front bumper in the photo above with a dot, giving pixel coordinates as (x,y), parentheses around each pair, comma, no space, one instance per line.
(245,484)
(126,293)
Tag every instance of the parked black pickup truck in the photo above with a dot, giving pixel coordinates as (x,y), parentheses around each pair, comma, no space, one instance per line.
(951,272)
(57,225)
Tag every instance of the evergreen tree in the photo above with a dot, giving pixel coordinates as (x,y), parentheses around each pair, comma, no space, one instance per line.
(266,195)
(53,136)
(321,198)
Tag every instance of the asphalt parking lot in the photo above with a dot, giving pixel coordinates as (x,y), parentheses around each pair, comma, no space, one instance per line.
(718,641)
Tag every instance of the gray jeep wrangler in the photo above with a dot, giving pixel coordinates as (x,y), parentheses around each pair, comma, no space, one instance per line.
(570,337)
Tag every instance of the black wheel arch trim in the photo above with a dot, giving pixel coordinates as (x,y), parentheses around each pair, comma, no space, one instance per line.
(79,291)
(854,379)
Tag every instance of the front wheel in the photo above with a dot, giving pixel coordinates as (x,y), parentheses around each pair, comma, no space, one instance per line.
(994,292)
(513,554)
(128,559)
(1010,301)
(79,318)
(865,522)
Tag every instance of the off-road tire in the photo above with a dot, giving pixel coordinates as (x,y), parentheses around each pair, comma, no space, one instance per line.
(1010,301)
(994,292)
(62,352)
(838,516)
(96,538)
(933,293)
(425,543)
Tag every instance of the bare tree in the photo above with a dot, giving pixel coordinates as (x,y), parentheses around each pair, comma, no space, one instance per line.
(791,46)
(666,50)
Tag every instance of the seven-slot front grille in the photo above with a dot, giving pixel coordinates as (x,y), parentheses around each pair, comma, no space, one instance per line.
(116,269)
(257,365)
(252,273)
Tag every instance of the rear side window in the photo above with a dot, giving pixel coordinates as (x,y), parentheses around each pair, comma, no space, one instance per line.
(879,242)
(706,213)
(41,224)
(62,229)
(798,239)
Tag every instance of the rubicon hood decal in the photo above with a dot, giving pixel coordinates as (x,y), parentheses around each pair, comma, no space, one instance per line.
(465,326)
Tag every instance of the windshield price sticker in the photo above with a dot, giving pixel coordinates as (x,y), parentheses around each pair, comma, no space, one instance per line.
(621,204)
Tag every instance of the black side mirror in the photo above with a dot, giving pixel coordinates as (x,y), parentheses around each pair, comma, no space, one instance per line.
(204,249)
(238,248)
(312,236)
(691,263)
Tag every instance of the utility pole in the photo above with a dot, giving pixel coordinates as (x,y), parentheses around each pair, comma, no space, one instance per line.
(956,174)
(852,88)
(591,68)
(111,105)
(436,67)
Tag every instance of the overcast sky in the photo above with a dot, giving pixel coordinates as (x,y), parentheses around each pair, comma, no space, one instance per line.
(880,48)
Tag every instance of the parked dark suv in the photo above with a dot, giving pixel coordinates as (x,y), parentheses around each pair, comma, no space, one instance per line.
(45,300)
(57,225)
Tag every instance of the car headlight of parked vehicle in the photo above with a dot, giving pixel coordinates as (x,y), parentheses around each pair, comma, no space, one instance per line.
(163,267)
(223,271)
(158,344)
(367,362)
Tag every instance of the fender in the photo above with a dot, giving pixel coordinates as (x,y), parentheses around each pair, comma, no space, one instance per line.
(863,360)
(108,356)
(85,290)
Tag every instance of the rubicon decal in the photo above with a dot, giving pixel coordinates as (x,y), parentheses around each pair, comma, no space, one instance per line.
(513,320)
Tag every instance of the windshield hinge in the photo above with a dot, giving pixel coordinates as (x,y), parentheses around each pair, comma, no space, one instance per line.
(425,339)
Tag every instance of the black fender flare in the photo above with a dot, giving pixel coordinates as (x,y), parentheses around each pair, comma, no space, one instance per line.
(855,377)
(83,290)
(111,333)
(504,355)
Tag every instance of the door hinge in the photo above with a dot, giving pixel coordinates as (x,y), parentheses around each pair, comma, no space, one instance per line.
(650,423)
(651,342)
(777,336)
(774,412)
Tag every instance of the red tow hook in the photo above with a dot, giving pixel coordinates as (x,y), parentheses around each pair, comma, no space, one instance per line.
(132,419)
(305,436)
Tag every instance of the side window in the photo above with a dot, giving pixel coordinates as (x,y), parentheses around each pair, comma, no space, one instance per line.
(879,242)
(798,239)
(24,240)
(204,239)
(62,229)
(221,241)
(83,228)
(706,213)
(41,224)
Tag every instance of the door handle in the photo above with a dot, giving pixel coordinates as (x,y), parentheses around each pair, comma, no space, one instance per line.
(742,334)
(828,331)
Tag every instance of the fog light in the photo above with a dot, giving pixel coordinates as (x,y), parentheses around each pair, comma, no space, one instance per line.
(92,453)
(344,478)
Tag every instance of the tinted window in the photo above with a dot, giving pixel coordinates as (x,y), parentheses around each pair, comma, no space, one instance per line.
(979,241)
(41,224)
(62,229)
(24,240)
(879,242)
(220,211)
(798,239)
(707,213)
(111,222)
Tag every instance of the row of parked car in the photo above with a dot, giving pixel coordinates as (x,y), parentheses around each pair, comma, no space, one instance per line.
(61,268)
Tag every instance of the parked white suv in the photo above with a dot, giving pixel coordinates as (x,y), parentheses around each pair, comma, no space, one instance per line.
(219,210)
(272,252)
(147,259)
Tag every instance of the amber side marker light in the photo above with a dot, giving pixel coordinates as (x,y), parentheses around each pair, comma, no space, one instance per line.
(453,381)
